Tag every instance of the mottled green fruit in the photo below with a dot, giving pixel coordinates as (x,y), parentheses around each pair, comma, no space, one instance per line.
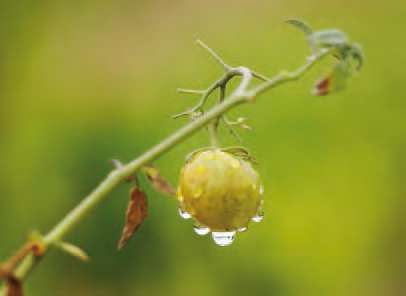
(219,190)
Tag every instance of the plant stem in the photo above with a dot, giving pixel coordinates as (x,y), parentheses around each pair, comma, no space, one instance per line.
(214,140)
(120,174)
(117,176)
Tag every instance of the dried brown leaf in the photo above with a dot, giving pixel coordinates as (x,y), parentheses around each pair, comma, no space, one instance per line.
(335,81)
(159,183)
(137,211)
(323,87)
(13,287)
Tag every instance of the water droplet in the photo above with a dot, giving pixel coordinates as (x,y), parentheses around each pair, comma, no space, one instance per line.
(242,229)
(184,214)
(261,189)
(201,230)
(258,217)
(179,194)
(223,238)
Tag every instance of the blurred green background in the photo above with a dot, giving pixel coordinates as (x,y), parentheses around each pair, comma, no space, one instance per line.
(82,82)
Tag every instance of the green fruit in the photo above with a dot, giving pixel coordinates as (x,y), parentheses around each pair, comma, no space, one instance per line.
(219,190)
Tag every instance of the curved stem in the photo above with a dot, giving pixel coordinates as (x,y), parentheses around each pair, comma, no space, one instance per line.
(285,76)
(119,175)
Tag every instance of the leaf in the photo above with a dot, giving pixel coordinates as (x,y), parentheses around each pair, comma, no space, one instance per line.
(13,287)
(329,38)
(336,80)
(242,153)
(358,55)
(137,211)
(192,154)
(301,25)
(73,250)
(158,182)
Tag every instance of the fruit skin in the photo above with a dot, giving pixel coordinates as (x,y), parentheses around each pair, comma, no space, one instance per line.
(219,190)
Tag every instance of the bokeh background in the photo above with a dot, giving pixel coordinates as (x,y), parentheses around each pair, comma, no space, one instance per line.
(82,82)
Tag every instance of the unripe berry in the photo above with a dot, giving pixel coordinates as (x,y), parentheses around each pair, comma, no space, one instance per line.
(220,191)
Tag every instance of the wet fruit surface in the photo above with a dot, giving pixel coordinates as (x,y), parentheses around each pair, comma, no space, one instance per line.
(220,191)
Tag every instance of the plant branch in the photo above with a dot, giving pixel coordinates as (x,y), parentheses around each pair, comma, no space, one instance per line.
(259,76)
(285,76)
(190,91)
(242,94)
(218,59)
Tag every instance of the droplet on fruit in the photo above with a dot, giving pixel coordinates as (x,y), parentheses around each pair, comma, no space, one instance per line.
(201,230)
(258,217)
(184,214)
(261,189)
(223,238)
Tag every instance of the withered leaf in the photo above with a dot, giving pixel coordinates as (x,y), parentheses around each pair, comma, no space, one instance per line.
(13,287)
(137,211)
(335,81)
(158,182)
(323,87)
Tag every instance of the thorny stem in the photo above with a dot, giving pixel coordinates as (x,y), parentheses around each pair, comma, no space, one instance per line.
(240,95)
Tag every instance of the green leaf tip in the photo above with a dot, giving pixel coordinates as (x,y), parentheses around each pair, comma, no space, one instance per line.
(329,38)
(301,25)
